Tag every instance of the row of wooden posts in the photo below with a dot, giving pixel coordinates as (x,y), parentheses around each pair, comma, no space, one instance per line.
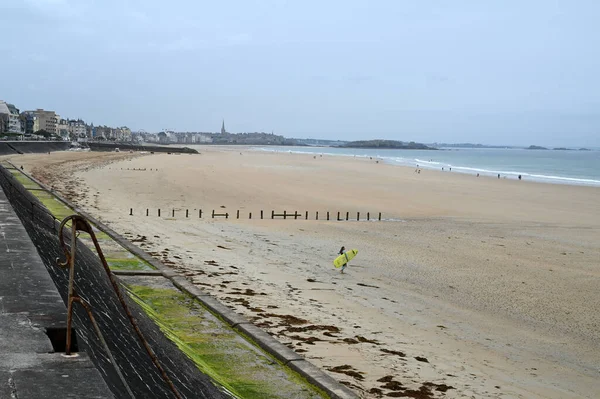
(274,215)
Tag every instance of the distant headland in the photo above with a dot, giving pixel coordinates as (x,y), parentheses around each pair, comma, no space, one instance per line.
(537,147)
(387,144)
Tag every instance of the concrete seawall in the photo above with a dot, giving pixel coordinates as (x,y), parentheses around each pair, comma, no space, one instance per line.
(6,149)
(97,146)
(33,325)
(32,147)
(37,147)
(141,376)
(40,147)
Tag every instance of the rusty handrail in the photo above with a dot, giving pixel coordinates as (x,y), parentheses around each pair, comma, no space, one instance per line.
(79,223)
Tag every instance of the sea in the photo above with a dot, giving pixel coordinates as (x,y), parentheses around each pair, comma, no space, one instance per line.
(573,167)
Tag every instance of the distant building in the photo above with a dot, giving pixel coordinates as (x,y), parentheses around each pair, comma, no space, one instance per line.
(62,128)
(77,128)
(163,138)
(102,133)
(46,120)
(14,122)
(31,122)
(124,134)
(223,131)
(9,118)
(4,117)
(203,138)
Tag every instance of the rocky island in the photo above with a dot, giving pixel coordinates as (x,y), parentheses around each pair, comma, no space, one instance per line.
(387,144)
(536,147)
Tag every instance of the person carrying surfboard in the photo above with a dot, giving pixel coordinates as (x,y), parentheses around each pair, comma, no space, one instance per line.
(343,252)
(344,257)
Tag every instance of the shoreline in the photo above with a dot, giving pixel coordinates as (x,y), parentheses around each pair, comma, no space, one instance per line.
(534,177)
(459,283)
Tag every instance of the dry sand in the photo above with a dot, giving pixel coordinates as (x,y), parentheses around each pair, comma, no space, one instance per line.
(487,286)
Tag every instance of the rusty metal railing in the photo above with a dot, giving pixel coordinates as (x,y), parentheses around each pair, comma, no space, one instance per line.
(79,223)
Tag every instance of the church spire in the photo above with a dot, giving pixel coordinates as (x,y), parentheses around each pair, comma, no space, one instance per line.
(223,127)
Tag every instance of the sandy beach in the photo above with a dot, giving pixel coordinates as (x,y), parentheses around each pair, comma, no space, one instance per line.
(468,287)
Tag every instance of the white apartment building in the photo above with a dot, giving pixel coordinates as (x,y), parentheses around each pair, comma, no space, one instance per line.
(77,128)
(14,122)
(62,128)
(9,118)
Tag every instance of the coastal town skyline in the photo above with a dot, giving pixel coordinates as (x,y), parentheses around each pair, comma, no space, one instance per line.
(44,124)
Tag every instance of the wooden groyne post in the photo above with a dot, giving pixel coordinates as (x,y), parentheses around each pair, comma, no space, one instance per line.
(225,215)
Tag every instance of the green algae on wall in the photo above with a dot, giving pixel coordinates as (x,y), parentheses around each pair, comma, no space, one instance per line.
(125,263)
(24,180)
(217,350)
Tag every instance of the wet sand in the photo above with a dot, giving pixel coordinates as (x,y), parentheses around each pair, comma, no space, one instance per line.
(469,287)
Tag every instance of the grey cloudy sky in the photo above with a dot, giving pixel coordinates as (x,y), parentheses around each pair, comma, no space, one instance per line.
(497,72)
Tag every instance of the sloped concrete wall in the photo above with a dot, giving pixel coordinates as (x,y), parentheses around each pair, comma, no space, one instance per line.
(6,149)
(93,285)
(132,147)
(32,147)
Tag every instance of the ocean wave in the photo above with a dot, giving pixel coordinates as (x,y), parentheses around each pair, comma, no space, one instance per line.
(538,176)
(421,161)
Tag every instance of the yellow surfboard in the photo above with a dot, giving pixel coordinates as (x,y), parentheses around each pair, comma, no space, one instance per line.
(345,258)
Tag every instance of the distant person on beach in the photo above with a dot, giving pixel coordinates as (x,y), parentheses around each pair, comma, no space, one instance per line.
(450,169)
(343,251)
(519,177)
(498,175)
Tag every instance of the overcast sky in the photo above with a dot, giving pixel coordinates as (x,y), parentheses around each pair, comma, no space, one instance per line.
(495,72)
